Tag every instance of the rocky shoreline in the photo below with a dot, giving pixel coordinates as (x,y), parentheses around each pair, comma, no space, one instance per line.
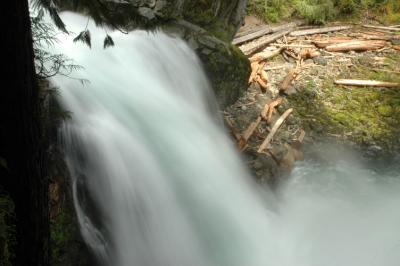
(366,119)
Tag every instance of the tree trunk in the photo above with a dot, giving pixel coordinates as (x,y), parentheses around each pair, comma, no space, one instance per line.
(21,137)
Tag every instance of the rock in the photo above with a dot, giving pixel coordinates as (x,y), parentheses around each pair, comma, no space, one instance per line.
(320,60)
(266,168)
(291,90)
(208,26)
(147,12)
(395,41)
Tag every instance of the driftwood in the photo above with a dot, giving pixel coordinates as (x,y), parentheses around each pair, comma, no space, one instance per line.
(262,83)
(263,75)
(381,28)
(319,30)
(254,70)
(242,143)
(366,83)
(309,53)
(250,30)
(262,42)
(252,36)
(274,129)
(269,109)
(263,31)
(356,46)
(288,80)
(293,45)
(266,54)
(322,43)
(375,37)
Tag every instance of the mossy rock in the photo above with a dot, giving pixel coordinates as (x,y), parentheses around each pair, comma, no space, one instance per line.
(365,116)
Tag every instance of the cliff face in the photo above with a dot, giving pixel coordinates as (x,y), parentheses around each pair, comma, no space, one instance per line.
(209,27)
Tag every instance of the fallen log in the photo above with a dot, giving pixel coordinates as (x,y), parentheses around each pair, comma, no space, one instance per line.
(263,31)
(375,37)
(274,129)
(254,70)
(288,80)
(262,83)
(269,109)
(266,54)
(322,43)
(319,30)
(381,27)
(366,83)
(293,45)
(248,133)
(262,42)
(356,46)
(247,31)
(263,75)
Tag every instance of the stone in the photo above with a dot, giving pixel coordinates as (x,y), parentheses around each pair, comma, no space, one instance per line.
(146,12)
(320,60)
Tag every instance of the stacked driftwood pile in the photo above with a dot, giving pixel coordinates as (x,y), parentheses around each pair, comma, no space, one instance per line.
(302,43)
(298,45)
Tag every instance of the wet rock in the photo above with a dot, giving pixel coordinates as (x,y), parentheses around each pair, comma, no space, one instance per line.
(266,168)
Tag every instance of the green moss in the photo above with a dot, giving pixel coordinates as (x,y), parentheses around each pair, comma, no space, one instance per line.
(228,69)
(363,115)
(61,235)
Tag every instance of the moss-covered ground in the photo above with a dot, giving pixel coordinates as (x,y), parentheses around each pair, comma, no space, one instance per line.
(364,115)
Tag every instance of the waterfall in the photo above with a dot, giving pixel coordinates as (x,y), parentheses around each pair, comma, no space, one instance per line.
(157,182)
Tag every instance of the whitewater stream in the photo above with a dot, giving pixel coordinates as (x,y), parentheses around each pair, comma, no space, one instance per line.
(157,182)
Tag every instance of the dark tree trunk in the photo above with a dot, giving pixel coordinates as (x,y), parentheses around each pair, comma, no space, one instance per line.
(21,143)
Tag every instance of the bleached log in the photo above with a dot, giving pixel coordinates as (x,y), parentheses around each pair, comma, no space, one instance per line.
(356,46)
(248,133)
(288,80)
(366,83)
(381,27)
(319,30)
(274,129)
(269,109)
(322,43)
(263,31)
(266,54)
(254,70)
(262,42)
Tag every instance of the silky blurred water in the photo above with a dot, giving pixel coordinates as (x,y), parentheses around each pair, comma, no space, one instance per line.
(157,182)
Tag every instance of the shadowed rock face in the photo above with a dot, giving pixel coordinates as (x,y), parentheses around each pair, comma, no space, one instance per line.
(220,17)
(208,25)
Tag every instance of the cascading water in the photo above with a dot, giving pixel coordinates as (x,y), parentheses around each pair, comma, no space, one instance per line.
(157,182)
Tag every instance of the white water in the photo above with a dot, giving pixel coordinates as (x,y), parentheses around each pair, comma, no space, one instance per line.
(157,181)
